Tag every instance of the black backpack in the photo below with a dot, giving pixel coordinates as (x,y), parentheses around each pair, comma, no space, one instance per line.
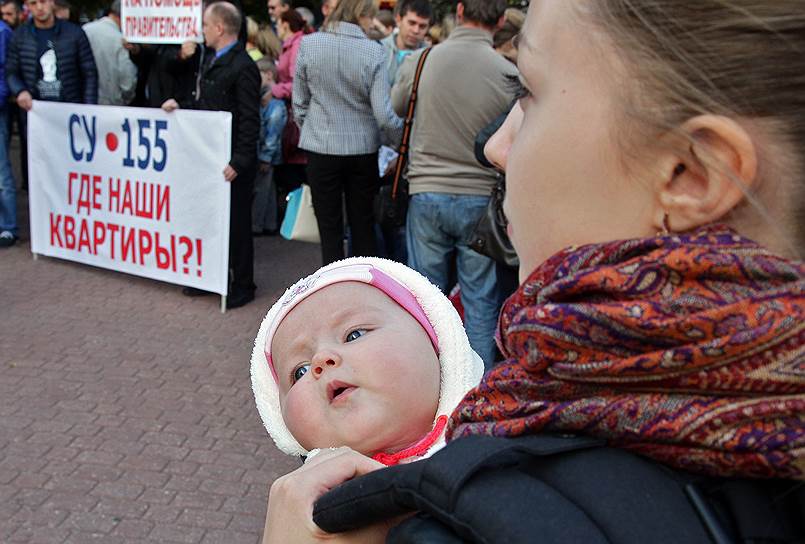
(552,489)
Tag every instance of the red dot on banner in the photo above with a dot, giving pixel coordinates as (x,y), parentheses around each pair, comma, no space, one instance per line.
(111,141)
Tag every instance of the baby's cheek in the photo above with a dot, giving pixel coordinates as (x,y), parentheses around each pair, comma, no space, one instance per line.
(302,417)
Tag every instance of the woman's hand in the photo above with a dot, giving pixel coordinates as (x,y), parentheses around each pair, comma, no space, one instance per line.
(290,502)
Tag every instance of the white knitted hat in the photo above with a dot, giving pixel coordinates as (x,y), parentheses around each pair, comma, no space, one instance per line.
(461,367)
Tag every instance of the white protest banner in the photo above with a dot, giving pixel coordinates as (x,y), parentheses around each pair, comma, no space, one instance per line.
(135,190)
(161,21)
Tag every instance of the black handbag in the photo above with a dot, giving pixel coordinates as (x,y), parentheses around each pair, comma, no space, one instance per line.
(489,236)
(391,201)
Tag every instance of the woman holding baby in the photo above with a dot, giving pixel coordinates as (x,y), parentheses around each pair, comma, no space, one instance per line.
(655,165)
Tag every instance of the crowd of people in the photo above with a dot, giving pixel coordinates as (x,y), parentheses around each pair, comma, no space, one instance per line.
(653,161)
(308,106)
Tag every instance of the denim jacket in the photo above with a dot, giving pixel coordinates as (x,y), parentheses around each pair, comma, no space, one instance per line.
(273,117)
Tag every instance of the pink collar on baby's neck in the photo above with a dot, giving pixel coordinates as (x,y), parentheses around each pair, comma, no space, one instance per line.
(418,449)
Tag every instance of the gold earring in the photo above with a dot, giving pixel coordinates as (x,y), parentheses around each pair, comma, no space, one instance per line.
(666,226)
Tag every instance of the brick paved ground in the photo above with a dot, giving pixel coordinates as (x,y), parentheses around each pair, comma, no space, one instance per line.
(126,412)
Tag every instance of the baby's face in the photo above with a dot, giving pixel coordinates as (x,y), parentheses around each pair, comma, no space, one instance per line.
(355,369)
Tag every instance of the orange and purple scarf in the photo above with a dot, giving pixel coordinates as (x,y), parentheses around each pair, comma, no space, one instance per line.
(689,349)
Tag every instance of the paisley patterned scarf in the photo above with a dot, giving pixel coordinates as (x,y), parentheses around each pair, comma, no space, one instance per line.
(689,349)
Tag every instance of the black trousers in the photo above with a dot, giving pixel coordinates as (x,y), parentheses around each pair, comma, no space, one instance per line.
(356,178)
(241,248)
(20,116)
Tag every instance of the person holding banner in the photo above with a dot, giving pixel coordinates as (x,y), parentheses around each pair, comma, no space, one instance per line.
(230,82)
(50,59)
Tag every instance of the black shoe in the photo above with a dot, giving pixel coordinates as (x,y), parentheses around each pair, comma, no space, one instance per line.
(236,300)
(193,292)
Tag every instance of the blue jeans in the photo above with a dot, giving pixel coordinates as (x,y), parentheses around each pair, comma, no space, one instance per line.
(439,225)
(8,188)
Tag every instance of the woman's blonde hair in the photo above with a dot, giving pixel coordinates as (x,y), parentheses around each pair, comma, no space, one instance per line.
(252,29)
(269,43)
(350,11)
(738,58)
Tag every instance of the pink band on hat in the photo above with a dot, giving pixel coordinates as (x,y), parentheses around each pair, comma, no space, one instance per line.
(364,273)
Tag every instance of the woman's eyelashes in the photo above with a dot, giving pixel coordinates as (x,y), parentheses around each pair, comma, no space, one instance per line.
(515,86)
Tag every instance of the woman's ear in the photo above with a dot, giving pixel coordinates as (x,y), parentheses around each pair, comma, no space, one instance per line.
(705,172)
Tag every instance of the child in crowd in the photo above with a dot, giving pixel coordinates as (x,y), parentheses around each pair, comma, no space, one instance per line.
(273,117)
(365,353)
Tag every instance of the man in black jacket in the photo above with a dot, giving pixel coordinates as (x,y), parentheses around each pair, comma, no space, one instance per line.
(50,59)
(230,82)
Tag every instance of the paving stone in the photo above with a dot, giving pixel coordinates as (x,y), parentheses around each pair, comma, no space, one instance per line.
(228,489)
(214,472)
(167,452)
(231,537)
(134,530)
(183,483)
(161,513)
(60,468)
(157,496)
(246,524)
(71,502)
(99,457)
(70,484)
(121,508)
(194,499)
(31,481)
(176,533)
(143,462)
(147,478)
(7,475)
(119,490)
(40,535)
(42,517)
(246,505)
(206,519)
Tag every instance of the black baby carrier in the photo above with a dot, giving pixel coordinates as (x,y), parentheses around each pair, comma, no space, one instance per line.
(551,489)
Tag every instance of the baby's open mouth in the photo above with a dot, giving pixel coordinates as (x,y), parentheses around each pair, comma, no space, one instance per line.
(337,389)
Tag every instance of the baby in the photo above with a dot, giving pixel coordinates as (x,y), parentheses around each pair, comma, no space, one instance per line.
(364,353)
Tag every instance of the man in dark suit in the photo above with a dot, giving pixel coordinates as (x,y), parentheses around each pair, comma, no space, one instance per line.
(230,82)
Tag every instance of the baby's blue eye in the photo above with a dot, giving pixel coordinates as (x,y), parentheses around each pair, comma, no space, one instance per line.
(354,335)
(300,371)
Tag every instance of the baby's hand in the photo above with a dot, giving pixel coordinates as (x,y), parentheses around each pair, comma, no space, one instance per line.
(290,501)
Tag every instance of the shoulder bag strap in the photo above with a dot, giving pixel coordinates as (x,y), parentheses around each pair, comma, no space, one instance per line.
(409,121)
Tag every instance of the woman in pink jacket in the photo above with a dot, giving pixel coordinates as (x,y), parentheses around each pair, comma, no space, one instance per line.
(290,29)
